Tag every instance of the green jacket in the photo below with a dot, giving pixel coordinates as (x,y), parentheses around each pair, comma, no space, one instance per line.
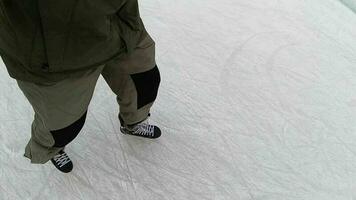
(48,40)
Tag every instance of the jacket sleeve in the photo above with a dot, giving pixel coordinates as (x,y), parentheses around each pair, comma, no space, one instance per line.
(130,15)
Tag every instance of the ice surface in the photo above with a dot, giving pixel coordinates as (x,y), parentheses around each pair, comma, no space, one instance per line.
(258,101)
(350,4)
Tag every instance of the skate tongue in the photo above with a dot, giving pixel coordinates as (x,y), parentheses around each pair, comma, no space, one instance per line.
(132,126)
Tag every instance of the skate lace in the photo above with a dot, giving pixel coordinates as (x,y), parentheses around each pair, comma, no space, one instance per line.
(144,129)
(61,159)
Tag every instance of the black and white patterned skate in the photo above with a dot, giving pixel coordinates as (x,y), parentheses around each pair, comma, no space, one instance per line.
(62,162)
(142,129)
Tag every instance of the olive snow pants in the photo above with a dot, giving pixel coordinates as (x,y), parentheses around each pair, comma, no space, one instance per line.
(60,108)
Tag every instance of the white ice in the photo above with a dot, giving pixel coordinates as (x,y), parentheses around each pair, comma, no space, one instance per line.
(257,102)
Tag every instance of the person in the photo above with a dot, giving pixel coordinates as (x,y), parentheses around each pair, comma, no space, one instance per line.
(56,50)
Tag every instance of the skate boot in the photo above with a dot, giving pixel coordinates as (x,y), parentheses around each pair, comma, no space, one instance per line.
(62,162)
(142,129)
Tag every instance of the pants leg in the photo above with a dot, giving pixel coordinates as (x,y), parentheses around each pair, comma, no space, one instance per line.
(135,79)
(60,110)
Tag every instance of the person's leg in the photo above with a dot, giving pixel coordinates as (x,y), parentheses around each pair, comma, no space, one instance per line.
(60,112)
(135,80)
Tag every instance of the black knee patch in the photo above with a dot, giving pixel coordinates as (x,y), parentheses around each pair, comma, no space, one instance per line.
(64,136)
(146,84)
